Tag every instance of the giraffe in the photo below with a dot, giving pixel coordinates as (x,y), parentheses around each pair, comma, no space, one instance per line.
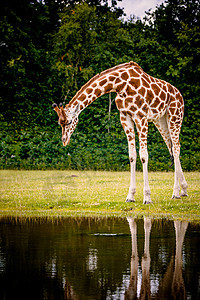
(140,99)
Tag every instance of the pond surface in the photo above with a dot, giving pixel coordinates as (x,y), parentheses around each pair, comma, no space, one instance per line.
(99,258)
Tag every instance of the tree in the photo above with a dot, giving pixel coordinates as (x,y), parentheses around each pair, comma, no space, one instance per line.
(176,28)
(49,49)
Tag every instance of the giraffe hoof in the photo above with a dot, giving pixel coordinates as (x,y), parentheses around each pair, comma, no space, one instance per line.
(176,197)
(147,202)
(130,200)
(183,194)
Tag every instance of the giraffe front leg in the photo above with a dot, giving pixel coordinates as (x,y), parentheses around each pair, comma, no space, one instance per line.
(142,128)
(128,126)
(146,191)
(132,158)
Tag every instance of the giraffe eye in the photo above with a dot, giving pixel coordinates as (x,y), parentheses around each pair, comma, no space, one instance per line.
(68,123)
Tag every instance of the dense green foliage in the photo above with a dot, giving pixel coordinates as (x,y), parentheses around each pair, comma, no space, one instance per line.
(49,49)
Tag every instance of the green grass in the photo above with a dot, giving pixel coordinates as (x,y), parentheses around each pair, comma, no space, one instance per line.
(72,193)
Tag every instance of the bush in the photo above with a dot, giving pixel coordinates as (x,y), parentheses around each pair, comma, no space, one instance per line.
(44,150)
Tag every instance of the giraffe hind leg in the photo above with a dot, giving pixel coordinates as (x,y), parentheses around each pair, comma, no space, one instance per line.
(142,134)
(174,129)
(162,127)
(128,126)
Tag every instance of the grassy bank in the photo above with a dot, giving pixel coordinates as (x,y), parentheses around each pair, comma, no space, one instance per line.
(53,193)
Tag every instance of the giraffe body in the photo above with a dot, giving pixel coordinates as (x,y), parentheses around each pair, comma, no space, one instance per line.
(140,99)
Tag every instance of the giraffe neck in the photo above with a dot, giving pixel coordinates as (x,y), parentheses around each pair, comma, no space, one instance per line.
(88,94)
(111,80)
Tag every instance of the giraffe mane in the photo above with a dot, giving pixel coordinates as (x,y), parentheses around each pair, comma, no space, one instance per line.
(131,63)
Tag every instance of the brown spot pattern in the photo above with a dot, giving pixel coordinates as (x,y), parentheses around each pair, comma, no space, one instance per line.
(133,73)
(123,125)
(82,97)
(130,138)
(85,103)
(115,74)
(139,101)
(128,101)
(154,110)
(89,90)
(146,77)
(133,108)
(101,83)
(120,87)
(119,103)
(161,106)
(124,76)
(145,84)
(155,88)
(135,83)
(145,108)
(141,91)
(140,114)
(108,88)
(130,91)
(170,88)
(162,96)
(164,88)
(118,80)
(149,96)
(173,104)
(97,92)
(172,110)
(137,125)
(143,122)
(180,99)
(173,119)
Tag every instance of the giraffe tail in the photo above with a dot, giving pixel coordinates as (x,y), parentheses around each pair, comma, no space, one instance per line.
(171,155)
(172,161)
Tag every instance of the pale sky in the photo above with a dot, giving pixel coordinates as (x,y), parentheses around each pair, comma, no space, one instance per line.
(138,7)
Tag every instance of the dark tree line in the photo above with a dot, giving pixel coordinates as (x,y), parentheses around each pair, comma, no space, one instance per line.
(49,49)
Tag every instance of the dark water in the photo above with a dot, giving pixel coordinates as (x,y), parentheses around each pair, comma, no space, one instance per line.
(108,258)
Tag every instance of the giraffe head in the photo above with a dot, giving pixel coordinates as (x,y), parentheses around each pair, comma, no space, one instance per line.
(68,119)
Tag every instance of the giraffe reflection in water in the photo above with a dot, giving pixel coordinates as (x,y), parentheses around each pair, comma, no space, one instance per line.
(173,279)
(172,284)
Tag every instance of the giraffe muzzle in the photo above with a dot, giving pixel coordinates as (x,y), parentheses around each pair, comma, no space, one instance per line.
(65,141)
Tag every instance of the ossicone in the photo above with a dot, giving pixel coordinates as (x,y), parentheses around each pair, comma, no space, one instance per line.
(55,107)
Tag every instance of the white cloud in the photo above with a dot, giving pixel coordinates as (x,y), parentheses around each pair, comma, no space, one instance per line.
(138,7)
